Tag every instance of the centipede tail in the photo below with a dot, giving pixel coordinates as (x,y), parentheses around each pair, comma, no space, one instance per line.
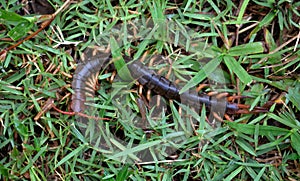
(84,80)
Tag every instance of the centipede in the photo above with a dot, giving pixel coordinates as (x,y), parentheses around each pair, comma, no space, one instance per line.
(86,74)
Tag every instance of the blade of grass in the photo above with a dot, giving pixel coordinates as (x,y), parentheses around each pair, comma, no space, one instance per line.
(263,130)
(235,67)
(202,74)
(70,155)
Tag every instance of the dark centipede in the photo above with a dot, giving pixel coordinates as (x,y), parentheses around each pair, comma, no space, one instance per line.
(86,73)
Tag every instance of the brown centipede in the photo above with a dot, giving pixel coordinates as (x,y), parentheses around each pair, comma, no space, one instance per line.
(85,77)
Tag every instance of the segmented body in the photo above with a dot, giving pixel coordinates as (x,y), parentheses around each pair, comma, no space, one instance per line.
(151,80)
(84,80)
(86,73)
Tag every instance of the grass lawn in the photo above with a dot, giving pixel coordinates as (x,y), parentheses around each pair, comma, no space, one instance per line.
(247,49)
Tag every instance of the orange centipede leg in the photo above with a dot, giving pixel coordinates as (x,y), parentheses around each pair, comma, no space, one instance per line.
(212,93)
(78,113)
(228,118)
(222,95)
(201,86)
(217,117)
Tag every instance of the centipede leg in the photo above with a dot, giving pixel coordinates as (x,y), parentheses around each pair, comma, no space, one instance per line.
(217,117)
(221,95)
(231,98)
(227,117)
(201,86)
(78,113)
(142,108)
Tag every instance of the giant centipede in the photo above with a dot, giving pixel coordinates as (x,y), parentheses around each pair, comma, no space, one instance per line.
(86,73)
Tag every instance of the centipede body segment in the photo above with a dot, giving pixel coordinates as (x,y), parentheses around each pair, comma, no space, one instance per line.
(84,80)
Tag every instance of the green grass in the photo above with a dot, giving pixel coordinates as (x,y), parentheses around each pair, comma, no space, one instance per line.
(253,46)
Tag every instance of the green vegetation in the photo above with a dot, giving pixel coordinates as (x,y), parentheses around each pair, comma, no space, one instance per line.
(253,45)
